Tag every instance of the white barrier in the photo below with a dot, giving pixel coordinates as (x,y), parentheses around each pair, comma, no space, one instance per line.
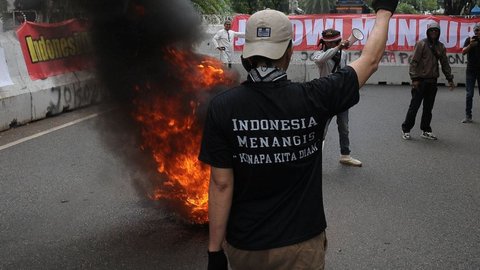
(28,100)
(393,67)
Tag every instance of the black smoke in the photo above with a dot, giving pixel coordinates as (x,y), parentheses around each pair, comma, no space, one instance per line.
(27,4)
(130,35)
(130,38)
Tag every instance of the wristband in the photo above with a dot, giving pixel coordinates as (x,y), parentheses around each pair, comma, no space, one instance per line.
(217,260)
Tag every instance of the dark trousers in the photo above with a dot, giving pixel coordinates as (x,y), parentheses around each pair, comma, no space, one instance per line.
(472,76)
(342,124)
(425,92)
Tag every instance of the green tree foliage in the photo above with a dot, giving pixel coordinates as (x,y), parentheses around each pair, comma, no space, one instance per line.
(318,6)
(422,6)
(281,5)
(457,7)
(251,6)
(212,6)
(3,9)
(309,6)
(3,6)
(404,8)
(245,6)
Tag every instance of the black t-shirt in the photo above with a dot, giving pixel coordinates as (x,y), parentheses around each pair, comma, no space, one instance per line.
(473,56)
(270,133)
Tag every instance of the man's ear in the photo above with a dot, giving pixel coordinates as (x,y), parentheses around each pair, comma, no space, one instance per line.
(284,62)
(289,53)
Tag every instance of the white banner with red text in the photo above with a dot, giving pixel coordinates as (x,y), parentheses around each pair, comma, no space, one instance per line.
(404,30)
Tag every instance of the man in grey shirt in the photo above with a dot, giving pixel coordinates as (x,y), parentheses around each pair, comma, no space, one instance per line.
(330,59)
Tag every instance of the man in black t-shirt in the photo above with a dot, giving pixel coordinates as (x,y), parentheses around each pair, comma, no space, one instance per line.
(263,140)
(472,49)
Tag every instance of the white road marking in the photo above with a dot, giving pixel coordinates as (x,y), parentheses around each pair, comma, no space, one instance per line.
(5,146)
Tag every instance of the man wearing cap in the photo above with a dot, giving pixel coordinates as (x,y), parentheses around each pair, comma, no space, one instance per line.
(223,42)
(262,141)
(424,73)
(330,59)
(472,50)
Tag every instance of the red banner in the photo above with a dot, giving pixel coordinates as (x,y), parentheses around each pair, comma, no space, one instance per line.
(52,49)
(404,30)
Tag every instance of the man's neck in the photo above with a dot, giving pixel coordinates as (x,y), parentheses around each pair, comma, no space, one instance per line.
(266,74)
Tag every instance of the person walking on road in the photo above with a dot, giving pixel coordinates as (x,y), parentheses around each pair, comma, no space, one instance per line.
(223,42)
(472,49)
(330,59)
(262,141)
(424,73)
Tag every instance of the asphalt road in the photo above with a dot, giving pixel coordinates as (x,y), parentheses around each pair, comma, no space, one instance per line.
(68,202)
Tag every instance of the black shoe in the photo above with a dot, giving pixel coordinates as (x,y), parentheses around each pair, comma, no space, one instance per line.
(428,136)
(467,120)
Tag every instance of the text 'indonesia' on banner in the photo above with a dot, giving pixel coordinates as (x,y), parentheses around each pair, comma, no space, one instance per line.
(51,49)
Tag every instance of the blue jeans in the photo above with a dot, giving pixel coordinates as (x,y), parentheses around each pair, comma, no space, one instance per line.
(342,124)
(472,76)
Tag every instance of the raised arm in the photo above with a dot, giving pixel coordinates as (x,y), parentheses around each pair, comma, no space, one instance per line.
(239,34)
(373,51)
(320,57)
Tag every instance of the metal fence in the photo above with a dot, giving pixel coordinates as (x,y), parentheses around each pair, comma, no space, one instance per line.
(14,18)
(216,19)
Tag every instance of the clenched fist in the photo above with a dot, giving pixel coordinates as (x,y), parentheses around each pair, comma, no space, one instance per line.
(389,5)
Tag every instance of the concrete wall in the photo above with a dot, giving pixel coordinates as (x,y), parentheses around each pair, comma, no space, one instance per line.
(393,68)
(28,100)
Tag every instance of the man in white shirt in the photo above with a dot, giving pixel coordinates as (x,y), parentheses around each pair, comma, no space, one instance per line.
(223,41)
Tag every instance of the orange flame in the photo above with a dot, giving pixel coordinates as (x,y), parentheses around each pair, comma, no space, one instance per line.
(172,132)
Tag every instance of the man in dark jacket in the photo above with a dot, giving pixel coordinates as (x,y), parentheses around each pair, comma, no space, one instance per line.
(424,72)
(263,142)
(472,49)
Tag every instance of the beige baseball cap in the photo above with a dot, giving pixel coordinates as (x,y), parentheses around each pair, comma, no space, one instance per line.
(268,33)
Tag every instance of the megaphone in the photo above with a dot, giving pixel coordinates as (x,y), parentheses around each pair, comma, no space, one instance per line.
(356,35)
